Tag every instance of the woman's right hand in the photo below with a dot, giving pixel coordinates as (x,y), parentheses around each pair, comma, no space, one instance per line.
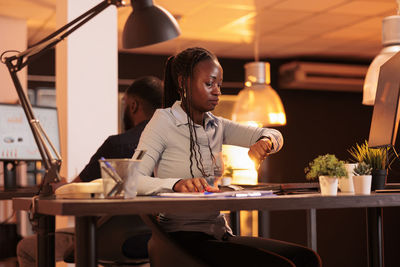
(194,185)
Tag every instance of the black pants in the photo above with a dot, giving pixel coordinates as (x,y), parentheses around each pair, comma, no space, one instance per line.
(246,251)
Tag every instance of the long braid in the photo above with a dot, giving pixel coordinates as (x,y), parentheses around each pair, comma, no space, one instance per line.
(170,92)
(182,66)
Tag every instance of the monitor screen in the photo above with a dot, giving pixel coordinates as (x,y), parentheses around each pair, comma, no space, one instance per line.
(385,117)
(16,138)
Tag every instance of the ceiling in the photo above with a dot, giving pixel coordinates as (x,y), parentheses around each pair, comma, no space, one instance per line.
(229,28)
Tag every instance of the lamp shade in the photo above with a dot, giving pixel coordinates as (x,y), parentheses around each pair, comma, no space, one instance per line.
(391,45)
(258,104)
(148,24)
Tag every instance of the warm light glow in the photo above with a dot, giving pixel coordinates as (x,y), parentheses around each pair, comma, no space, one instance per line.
(249,223)
(267,73)
(252,78)
(237,31)
(277,118)
(244,171)
(251,98)
(258,102)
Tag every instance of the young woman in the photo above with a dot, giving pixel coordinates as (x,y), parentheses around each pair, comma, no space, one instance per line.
(181,143)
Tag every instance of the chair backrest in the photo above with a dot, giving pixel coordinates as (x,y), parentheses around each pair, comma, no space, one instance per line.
(164,251)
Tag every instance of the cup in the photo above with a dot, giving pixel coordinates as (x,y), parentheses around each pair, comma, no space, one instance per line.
(119,177)
(225,181)
(362,184)
(346,184)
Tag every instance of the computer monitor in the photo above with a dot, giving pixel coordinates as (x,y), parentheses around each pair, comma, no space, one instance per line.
(16,138)
(385,117)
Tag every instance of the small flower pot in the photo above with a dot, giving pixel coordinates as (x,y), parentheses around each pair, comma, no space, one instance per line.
(346,183)
(362,184)
(328,185)
(378,179)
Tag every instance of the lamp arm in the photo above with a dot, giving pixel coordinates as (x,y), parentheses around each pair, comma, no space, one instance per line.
(51,164)
(17,62)
(22,59)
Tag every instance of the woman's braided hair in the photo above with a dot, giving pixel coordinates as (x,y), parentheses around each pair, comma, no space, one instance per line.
(182,65)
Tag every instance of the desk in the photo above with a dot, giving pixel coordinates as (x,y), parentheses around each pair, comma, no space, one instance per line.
(85,211)
(18,192)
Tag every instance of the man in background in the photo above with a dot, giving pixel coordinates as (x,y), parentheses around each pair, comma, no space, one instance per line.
(141,99)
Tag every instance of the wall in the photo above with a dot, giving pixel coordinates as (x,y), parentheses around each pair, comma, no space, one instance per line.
(13,36)
(318,122)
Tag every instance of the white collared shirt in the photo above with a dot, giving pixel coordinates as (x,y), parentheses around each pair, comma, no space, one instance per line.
(166,140)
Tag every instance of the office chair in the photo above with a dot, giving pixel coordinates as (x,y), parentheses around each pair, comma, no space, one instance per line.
(113,233)
(164,251)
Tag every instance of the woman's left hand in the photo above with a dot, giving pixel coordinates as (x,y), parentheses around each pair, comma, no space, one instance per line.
(260,150)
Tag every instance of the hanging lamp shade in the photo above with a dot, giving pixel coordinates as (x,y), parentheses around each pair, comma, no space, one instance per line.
(258,104)
(148,24)
(391,45)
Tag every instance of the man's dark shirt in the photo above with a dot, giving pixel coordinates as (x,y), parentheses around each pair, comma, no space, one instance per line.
(121,146)
(116,146)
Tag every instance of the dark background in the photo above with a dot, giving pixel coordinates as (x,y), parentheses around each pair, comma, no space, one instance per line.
(318,122)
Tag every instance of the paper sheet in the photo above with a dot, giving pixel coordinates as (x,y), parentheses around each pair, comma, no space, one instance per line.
(242,193)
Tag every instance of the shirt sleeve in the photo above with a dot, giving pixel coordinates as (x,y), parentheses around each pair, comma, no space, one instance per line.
(153,140)
(92,169)
(245,136)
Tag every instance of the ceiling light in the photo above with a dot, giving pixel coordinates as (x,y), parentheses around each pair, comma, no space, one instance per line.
(258,104)
(391,45)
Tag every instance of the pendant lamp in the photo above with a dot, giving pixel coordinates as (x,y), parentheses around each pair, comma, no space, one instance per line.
(258,104)
(391,45)
(148,24)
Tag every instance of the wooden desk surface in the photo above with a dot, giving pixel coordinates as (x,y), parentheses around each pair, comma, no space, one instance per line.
(18,192)
(148,205)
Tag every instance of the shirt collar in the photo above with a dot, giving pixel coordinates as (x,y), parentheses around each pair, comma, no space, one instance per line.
(181,117)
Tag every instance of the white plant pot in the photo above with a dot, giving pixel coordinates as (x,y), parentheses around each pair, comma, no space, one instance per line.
(328,185)
(346,184)
(362,184)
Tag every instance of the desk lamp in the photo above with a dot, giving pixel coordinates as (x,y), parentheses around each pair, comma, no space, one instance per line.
(147,24)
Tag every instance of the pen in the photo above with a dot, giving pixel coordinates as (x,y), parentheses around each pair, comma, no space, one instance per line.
(114,174)
(118,184)
(117,188)
(138,155)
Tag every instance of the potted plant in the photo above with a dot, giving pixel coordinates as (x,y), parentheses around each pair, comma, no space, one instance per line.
(379,159)
(327,168)
(362,178)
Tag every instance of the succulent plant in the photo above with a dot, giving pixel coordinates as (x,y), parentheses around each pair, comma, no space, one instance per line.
(325,165)
(362,168)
